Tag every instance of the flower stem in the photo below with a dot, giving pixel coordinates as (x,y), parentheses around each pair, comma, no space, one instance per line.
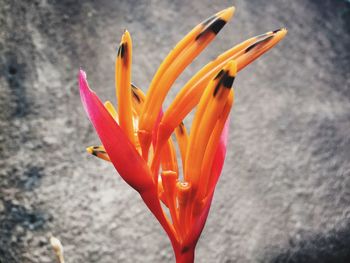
(185,256)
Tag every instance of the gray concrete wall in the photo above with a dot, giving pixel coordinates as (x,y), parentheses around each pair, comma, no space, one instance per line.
(284,195)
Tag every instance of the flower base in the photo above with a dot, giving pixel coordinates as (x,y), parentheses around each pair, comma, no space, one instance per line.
(185,256)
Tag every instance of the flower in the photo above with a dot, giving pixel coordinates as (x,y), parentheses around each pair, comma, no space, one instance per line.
(136,137)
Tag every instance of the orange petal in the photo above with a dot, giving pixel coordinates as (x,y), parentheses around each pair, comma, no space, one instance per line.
(191,93)
(123,82)
(99,152)
(209,109)
(177,60)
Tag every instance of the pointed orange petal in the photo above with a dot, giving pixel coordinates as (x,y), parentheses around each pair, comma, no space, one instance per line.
(178,59)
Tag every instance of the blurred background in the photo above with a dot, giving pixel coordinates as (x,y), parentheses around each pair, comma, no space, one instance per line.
(284,195)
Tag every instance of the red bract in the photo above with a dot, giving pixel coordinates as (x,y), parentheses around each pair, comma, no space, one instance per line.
(136,137)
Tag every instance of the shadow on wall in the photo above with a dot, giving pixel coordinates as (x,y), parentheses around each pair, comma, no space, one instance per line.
(334,246)
(331,247)
(19,222)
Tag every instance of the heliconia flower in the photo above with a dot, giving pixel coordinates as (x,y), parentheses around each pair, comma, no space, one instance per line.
(136,137)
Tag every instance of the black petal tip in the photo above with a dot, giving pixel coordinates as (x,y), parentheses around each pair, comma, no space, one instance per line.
(219,74)
(225,81)
(122,50)
(277,30)
(181,128)
(213,26)
(252,46)
(136,96)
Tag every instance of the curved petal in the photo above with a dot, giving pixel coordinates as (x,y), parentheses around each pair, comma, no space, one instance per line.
(126,160)
(173,65)
(216,171)
(219,157)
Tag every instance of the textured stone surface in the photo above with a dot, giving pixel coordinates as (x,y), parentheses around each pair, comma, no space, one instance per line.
(284,195)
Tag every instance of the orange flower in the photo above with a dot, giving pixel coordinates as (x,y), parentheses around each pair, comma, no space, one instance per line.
(136,137)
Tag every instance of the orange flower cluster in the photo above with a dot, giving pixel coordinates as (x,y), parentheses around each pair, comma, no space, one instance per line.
(136,137)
